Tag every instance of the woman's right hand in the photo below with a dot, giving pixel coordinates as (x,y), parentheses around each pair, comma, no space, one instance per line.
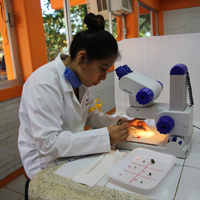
(118,133)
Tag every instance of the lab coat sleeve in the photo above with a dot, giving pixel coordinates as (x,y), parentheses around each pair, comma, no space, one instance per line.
(97,119)
(45,104)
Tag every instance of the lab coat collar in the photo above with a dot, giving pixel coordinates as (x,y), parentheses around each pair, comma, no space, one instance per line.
(61,69)
(66,85)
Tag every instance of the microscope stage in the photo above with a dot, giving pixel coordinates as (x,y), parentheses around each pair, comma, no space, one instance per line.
(152,137)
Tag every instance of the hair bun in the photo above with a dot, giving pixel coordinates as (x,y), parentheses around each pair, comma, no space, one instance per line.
(94,22)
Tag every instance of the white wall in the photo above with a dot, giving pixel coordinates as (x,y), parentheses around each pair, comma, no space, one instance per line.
(154,57)
(182,21)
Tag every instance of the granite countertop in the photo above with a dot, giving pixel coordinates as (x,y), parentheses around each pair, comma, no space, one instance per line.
(46,185)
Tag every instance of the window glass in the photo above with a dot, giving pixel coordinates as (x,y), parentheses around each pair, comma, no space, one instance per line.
(144,22)
(3,74)
(147,21)
(9,70)
(54,27)
(114,26)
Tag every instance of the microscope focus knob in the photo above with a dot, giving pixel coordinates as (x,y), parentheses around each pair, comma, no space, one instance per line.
(165,124)
(144,96)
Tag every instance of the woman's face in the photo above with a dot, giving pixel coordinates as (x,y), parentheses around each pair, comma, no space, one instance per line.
(94,72)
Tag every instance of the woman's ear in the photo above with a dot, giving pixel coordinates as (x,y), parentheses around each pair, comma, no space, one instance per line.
(82,57)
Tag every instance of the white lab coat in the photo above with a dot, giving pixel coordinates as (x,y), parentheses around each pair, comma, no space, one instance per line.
(52,120)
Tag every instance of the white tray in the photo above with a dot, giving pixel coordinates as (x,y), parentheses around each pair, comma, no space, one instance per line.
(138,170)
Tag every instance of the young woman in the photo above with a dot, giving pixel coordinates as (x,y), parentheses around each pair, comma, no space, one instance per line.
(56,99)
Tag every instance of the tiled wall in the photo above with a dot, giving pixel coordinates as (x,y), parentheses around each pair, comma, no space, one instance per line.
(9,124)
(105,91)
(182,21)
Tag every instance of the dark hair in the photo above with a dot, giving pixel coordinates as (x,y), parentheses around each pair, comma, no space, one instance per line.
(98,43)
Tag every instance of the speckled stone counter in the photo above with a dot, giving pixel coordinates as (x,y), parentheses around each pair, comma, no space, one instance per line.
(48,186)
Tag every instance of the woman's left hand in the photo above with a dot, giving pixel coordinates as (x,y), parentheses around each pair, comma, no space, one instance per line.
(135,123)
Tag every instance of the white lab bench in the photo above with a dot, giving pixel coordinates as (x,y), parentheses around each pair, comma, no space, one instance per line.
(181,183)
